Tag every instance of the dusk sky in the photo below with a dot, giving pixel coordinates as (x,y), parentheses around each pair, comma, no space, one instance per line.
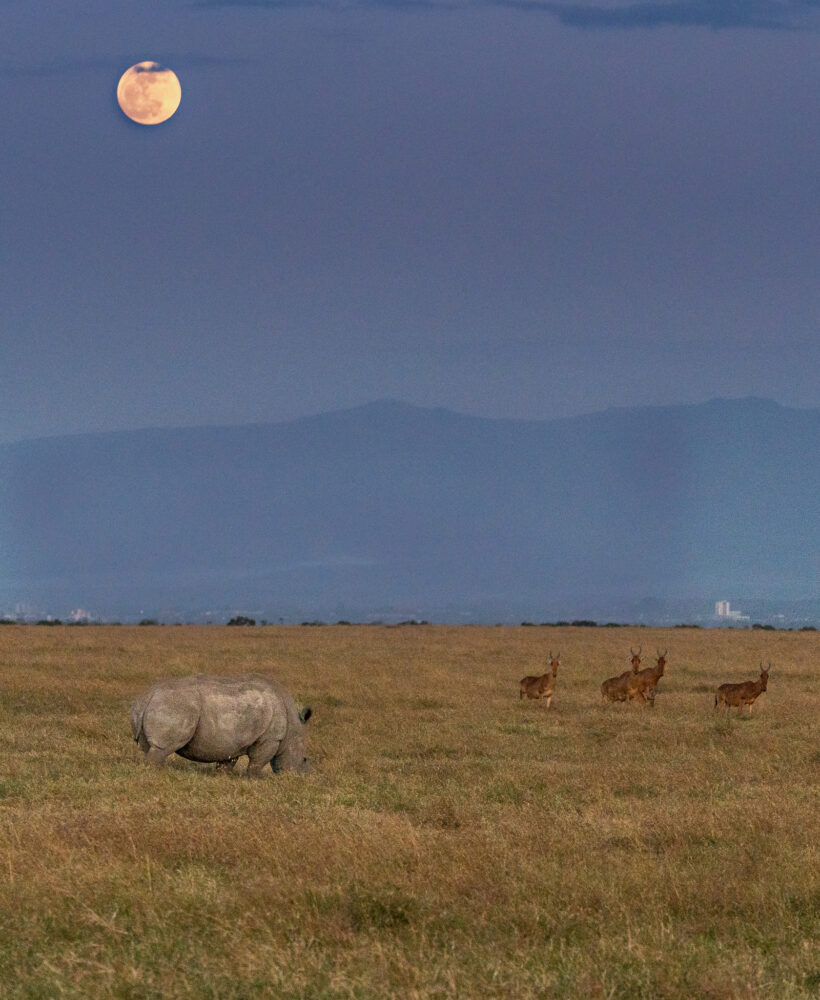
(521,209)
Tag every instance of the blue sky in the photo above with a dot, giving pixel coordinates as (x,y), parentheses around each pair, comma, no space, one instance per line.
(524,209)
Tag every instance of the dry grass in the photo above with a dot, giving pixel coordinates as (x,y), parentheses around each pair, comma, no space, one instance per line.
(452,841)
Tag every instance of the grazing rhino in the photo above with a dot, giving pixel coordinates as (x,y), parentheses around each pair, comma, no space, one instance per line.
(218,719)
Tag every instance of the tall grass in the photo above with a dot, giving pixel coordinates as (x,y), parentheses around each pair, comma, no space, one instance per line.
(452,840)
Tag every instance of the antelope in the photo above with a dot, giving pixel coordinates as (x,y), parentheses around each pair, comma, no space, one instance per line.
(746,693)
(543,686)
(645,681)
(616,688)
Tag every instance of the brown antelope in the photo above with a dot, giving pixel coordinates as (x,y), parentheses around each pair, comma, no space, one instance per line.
(645,681)
(746,693)
(616,688)
(543,686)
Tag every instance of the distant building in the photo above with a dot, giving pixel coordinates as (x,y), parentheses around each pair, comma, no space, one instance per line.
(724,610)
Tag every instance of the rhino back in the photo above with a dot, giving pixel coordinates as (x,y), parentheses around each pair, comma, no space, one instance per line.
(234,713)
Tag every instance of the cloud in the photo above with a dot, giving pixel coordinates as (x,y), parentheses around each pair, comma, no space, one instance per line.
(264,4)
(416,4)
(74,66)
(56,68)
(771,15)
(405,5)
(762,14)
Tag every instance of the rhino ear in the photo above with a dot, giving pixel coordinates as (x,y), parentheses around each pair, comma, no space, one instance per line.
(305,714)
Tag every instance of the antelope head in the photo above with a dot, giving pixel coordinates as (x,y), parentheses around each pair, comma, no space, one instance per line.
(636,659)
(554,662)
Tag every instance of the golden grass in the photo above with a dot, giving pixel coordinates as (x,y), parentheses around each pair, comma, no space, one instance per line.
(452,840)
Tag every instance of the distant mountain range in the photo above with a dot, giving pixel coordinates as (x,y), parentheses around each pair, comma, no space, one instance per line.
(391,510)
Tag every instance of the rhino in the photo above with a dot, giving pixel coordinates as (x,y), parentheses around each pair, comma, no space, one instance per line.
(219,719)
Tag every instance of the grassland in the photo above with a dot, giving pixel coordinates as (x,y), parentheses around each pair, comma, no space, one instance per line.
(451,841)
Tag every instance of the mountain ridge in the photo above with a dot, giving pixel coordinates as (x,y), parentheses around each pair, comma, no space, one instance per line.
(389,503)
(388,404)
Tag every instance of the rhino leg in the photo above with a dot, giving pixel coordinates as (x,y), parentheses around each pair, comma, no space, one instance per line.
(154,755)
(260,754)
(157,756)
(169,722)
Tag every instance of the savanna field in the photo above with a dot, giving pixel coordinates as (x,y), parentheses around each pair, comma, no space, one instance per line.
(452,841)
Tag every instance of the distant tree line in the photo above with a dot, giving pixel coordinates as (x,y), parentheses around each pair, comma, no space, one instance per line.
(247,621)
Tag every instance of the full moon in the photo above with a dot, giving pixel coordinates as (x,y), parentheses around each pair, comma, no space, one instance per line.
(149,93)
